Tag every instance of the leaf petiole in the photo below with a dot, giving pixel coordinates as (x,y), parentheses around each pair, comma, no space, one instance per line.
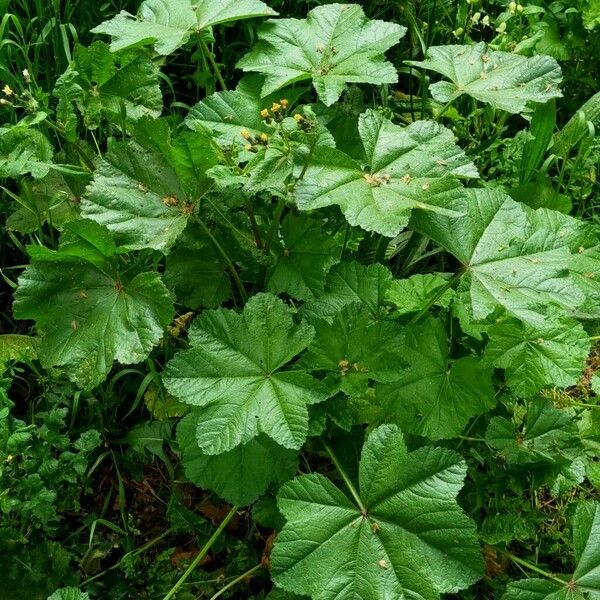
(345,477)
(531,567)
(213,538)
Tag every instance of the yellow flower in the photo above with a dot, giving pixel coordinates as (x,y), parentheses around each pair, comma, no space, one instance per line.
(264,138)
(264,113)
(7,90)
(245,134)
(284,103)
(276,107)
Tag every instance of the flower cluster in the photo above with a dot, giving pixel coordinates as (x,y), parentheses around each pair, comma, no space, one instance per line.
(254,142)
(276,112)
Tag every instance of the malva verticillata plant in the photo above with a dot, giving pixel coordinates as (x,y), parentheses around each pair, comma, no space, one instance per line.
(290,273)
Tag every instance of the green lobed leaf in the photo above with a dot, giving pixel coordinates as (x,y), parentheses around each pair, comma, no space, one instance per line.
(70,593)
(347,283)
(553,354)
(144,191)
(353,349)
(53,199)
(524,261)
(506,81)
(100,84)
(89,311)
(335,45)
(411,540)
(15,347)
(239,476)
(234,371)
(303,258)
(434,396)
(414,167)
(548,435)
(417,292)
(585,581)
(226,114)
(24,151)
(168,24)
(198,277)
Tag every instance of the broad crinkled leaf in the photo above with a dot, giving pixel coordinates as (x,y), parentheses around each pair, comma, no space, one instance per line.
(591,14)
(416,292)
(548,435)
(553,354)
(24,151)
(198,276)
(53,199)
(504,80)
(335,45)
(99,83)
(15,347)
(354,349)
(226,114)
(234,371)
(584,583)
(414,167)
(411,541)
(347,283)
(168,24)
(432,395)
(303,258)
(69,593)
(89,310)
(239,476)
(522,260)
(144,191)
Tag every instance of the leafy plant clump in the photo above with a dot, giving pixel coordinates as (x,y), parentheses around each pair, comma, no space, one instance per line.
(328,332)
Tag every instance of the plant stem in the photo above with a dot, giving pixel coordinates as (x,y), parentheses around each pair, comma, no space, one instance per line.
(444,109)
(213,63)
(213,538)
(254,225)
(248,573)
(346,236)
(437,296)
(84,157)
(382,245)
(137,552)
(345,477)
(221,251)
(534,568)
(274,225)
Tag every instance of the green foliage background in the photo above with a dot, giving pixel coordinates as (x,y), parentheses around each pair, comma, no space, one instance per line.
(299,300)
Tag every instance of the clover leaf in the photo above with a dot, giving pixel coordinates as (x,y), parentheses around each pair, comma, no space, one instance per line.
(404,535)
